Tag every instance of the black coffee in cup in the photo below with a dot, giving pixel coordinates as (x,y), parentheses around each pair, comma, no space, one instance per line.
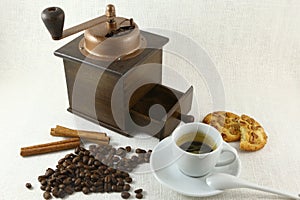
(197,143)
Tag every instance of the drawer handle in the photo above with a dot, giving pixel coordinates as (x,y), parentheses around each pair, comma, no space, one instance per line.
(185,118)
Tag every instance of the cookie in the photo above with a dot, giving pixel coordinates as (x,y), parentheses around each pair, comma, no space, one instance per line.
(253,136)
(226,123)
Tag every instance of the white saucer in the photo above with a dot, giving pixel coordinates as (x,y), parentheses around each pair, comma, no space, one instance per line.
(167,173)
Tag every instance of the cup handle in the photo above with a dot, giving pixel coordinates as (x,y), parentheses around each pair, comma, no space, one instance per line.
(229,149)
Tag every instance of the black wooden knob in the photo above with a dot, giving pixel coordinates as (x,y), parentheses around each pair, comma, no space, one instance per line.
(53,19)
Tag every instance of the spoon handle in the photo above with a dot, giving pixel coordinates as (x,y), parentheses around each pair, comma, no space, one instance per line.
(270,190)
(226,181)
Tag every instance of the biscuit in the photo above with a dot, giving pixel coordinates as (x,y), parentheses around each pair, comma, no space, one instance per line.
(253,136)
(226,123)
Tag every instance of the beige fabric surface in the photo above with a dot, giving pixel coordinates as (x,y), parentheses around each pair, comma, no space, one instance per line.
(255,46)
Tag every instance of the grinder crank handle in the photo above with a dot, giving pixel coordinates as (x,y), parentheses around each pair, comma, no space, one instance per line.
(54,17)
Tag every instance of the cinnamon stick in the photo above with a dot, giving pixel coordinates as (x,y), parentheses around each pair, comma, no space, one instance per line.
(67,132)
(50,147)
(96,141)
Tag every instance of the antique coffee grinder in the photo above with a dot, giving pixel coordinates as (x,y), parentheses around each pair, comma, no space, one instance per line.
(114,75)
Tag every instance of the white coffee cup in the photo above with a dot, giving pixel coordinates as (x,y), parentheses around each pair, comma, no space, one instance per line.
(197,165)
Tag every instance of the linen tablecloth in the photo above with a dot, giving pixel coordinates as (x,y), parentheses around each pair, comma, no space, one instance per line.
(255,49)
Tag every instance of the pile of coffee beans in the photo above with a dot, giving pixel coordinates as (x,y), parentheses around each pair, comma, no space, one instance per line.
(102,169)
(118,158)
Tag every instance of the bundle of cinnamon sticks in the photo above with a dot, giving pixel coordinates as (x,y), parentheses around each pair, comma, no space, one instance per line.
(75,136)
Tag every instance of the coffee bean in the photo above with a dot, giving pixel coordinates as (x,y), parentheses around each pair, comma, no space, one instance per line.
(48,188)
(134,158)
(80,165)
(77,181)
(61,186)
(109,187)
(125,195)
(119,188)
(40,178)
(120,183)
(67,181)
(116,159)
(101,189)
(85,159)
(81,153)
(98,183)
(76,159)
(87,176)
(118,173)
(112,151)
(97,163)
(77,150)
(126,187)
(28,185)
(94,177)
(55,192)
(103,167)
(128,179)
(125,174)
(121,152)
(91,161)
(55,184)
(138,190)
(85,190)
(138,150)
(47,195)
(81,174)
(69,156)
(107,179)
(61,193)
(112,170)
(128,148)
(105,186)
(61,161)
(92,147)
(69,190)
(77,188)
(44,182)
(49,172)
(113,179)
(139,195)
(110,156)
(93,189)
(88,183)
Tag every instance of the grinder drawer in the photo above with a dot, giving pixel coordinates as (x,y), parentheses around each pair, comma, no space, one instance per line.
(159,122)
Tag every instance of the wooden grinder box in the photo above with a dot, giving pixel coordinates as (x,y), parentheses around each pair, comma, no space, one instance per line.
(118,93)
